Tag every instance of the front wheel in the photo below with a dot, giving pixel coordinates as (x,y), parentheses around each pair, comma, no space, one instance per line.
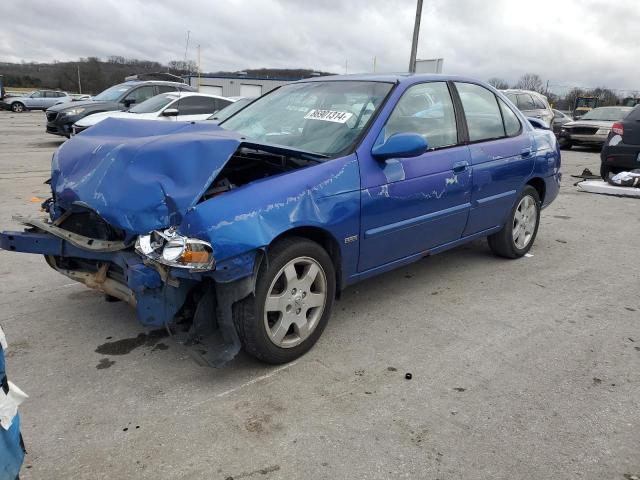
(517,236)
(17,107)
(293,299)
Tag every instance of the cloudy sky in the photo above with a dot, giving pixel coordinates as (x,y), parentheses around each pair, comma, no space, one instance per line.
(568,42)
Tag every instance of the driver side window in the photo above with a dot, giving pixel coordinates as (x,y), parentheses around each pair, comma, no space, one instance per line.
(425,109)
(141,94)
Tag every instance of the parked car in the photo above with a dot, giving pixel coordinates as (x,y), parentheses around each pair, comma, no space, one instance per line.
(252,227)
(38,100)
(236,106)
(532,104)
(559,119)
(593,127)
(60,118)
(621,150)
(177,106)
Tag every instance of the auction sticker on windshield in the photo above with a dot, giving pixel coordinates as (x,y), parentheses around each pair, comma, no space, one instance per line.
(328,116)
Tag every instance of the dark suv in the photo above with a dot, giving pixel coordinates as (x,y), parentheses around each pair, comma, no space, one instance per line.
(621,150)
(60,118)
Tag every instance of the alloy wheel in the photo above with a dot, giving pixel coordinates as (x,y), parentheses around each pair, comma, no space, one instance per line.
(525,220)
(295,302)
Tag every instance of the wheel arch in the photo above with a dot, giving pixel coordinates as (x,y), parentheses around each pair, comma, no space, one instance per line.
(539,185)
(326,240)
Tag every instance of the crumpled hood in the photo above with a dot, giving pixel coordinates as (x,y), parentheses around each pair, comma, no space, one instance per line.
(140,175)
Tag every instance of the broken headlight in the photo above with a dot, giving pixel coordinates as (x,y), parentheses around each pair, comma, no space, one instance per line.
(175,250)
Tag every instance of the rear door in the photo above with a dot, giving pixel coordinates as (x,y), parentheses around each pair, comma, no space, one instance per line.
(410,205)
(501,153)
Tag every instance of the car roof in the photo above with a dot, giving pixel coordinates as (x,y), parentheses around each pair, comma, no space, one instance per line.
(401,78)
(192,94)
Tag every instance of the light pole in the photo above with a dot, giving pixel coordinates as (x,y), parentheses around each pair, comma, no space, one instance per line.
(414,43)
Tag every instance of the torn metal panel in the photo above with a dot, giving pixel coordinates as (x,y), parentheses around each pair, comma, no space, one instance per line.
(326,196)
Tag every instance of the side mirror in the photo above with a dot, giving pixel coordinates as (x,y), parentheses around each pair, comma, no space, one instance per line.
(170,112)
(400,145)
(538,123)
(129,101)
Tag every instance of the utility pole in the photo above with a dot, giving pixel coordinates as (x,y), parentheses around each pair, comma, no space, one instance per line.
(198,67)
(374,64)
(79,83)
(414,43)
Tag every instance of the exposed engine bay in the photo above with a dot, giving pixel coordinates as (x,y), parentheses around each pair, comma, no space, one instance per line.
(249,164)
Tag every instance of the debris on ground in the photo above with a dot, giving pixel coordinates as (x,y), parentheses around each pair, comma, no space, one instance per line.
(600,186)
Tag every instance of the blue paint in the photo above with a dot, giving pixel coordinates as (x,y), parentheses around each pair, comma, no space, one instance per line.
(400,145)
(400,199)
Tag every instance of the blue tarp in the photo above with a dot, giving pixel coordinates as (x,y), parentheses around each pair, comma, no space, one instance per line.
(11,452)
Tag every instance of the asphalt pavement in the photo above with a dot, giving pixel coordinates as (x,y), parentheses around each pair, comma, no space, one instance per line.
(525,369)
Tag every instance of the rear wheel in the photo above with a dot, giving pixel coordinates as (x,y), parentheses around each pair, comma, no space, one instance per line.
(293,299)
(17,107)
(517,236)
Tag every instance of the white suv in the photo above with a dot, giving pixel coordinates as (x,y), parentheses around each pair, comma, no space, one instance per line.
(38,100)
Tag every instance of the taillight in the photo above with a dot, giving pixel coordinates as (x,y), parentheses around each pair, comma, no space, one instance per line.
(618,128)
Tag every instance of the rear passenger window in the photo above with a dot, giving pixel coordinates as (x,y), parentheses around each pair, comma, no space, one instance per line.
(511,122)
(166,88)
(425,109)
(539,103)
(525,102)
(481,110)
(196,105)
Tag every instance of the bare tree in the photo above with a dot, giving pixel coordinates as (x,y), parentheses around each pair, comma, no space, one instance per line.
(530,81)
(498,83)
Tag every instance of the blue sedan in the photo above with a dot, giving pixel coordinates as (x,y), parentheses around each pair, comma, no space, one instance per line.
(243,234)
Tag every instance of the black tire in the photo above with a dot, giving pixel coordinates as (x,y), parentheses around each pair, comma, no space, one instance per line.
(249,313)
(566,144)
(604,171)
(18,107)
(502,243)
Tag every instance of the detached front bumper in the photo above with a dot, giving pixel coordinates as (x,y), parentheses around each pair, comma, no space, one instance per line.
(121,274)
(161,295)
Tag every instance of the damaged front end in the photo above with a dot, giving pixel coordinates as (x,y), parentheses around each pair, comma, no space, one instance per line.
(189,299)
(175,219)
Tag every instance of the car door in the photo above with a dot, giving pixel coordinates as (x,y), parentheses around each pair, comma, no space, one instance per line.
(35,100)
(139,95)
(50,99)
(501,152)
(410,205)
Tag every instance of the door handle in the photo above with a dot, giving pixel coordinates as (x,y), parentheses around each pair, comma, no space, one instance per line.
(460,167)
(526,152)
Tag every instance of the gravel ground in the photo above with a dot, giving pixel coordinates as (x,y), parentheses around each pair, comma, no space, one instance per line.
(521,369)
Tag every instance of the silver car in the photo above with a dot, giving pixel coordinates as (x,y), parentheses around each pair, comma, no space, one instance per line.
(38,100)
(592,129)
(532,104)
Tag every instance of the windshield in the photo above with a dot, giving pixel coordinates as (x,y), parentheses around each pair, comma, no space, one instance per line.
(320,117)
(612,114)
(224,113)
(154,104)
(112,94)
